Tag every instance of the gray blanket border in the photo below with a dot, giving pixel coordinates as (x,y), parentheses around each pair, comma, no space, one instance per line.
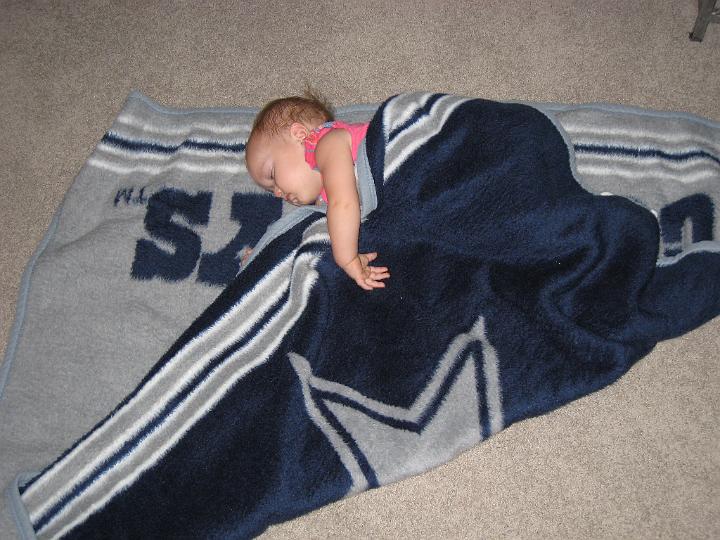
(17,509)
(21,304)
(24,527)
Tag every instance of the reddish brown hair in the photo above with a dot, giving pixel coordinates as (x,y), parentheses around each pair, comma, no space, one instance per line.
(310,108)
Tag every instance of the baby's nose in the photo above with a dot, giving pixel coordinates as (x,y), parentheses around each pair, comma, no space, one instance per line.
(278,193)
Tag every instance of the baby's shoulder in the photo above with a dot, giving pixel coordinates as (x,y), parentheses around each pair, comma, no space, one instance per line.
(335,138)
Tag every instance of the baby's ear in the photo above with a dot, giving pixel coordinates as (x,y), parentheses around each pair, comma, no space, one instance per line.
(298,131)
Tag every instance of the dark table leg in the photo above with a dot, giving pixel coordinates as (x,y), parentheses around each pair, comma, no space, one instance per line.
(705,14)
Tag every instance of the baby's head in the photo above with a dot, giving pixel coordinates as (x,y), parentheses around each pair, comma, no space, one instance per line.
(309,109)
(275,153)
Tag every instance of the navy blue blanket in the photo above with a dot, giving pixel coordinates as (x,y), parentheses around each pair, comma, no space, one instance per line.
(514,290)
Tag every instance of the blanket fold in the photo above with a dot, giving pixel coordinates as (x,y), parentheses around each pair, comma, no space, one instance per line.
(528,268)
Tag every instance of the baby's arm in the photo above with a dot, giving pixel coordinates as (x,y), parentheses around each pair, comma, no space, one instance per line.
(334,159)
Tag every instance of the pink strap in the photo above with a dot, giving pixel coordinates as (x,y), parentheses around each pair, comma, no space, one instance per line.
(357,134)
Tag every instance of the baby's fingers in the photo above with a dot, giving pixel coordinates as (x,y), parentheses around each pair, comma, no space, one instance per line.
(379,273)
(369,284)
(374,284)
(362,283)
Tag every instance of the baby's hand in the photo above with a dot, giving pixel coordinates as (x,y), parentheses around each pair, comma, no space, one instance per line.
(366,276)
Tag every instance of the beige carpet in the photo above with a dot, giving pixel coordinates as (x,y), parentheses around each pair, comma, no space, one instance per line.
(640,459)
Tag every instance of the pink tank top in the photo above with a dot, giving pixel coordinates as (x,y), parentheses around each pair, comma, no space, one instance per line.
(357,134)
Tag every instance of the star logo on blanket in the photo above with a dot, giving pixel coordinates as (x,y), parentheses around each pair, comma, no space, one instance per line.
(380,443)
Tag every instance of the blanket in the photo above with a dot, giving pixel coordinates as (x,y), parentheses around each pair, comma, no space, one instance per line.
(536,253)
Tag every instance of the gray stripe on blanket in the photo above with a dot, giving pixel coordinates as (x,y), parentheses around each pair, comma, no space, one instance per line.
(160,389)
(419,132)
(129,420)
(209,392)
(652,158)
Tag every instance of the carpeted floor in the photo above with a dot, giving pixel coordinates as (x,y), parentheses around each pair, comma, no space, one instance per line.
(640,459)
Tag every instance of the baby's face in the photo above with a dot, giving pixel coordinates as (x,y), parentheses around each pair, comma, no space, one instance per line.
(277,164)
